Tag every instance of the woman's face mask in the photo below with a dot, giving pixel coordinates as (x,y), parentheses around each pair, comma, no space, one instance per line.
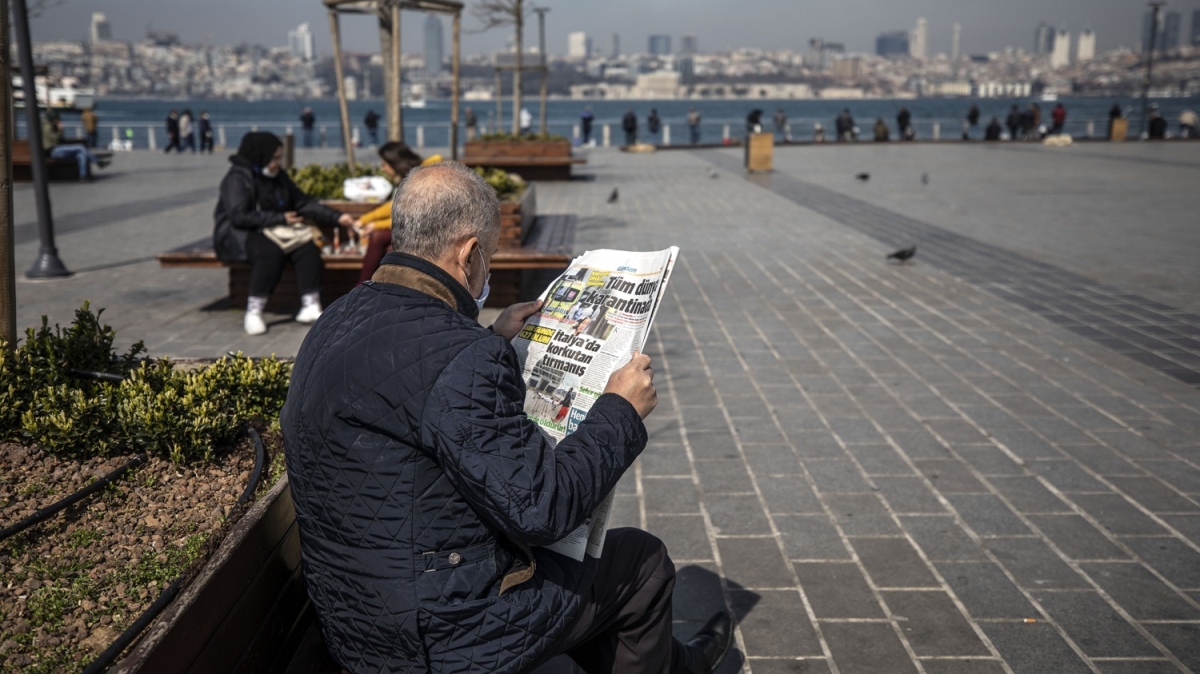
(270,172)
(487,288)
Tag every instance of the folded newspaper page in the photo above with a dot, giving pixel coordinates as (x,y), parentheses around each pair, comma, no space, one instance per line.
(594,317)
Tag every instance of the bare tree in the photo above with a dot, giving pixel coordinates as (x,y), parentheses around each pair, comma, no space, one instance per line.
(494,13)
(39,6)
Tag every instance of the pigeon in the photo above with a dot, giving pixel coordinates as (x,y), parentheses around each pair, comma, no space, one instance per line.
(863,177)
(924,178)
(712,173)
(612,198)
(904,254)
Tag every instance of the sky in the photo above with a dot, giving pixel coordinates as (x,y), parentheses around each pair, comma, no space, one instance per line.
(988,25)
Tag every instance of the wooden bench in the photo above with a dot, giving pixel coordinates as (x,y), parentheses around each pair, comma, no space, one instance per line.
(546,247)
(56,169)
(530,168)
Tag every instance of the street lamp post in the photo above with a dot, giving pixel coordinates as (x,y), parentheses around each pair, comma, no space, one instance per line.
(1155,6)
(8,275)
(47,264)
(541,12)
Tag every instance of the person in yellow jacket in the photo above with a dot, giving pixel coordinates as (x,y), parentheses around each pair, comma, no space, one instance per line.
(376,226)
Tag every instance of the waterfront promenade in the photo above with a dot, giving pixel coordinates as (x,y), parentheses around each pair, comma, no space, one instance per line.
(987,460)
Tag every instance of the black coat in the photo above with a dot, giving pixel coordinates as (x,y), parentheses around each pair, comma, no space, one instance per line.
(420,486)
(251,201)
(629,122)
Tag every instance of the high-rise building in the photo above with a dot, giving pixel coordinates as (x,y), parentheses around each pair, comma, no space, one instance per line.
(822,54)
(101,30)
(1151,32)
(433,44)
(894,43)
(1086,50)
(1172,27)
(300,42)
(1043,39)
(660,45)
(689,45)
(616,50)
(579,45)
(956,42)
(686,66)
(918,43)
(1196,28)
(1061,56)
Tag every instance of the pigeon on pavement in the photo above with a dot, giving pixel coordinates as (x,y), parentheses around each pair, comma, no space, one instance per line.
(612,198)
(863,177)
(904,254)
(924,178)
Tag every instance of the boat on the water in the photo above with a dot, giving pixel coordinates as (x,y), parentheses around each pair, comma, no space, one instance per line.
(66,95)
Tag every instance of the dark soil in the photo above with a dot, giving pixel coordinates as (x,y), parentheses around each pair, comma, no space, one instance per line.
(70,585)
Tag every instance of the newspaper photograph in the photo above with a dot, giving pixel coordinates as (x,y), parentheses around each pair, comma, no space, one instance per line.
(594,317)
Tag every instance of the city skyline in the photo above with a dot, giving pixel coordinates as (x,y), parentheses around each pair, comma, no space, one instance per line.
(984,28)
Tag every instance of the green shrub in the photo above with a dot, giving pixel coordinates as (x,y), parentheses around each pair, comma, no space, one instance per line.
(325,182)
(507,185)
(525,137)
(183,415)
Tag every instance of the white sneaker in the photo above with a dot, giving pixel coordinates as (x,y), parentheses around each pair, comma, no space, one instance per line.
(254,324)
(309,314)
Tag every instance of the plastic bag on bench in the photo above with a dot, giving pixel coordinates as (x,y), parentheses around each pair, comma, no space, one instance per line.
(368,189)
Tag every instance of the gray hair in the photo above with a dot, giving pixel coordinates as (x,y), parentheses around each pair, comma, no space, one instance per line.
(440,205)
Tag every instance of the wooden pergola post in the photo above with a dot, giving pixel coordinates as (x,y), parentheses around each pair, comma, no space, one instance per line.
(338,69)
(455,67)
(397,101)
(8,263)
(387,12)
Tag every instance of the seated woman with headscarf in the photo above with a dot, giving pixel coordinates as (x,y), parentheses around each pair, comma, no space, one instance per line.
(398,160)
(260,219)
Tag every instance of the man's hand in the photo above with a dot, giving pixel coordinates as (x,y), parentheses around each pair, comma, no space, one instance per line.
(346,220)
(293,218)
(635,383)
(509,323)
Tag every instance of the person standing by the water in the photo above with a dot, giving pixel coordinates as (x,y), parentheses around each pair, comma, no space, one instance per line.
(1059,116)
(585,125)
(471,122)
(172,132)
(1157,128)
(90,127)
(972,122)
(781,125)
(994,130)
(1013,122)
(1035,112)
(1113,115)
(187,137)
(526,121)
(845,126)
(629,126)
(904,124)
(205,132)
(307,121)
(653,125)
(693,120)
(1188,122)
(882,133)
(371,121)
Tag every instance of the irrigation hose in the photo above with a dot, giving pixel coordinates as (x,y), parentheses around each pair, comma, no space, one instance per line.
(143,621)
(51,510)
(102,376)
(260,460)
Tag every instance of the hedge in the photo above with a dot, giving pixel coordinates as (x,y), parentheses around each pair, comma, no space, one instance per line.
(185,415)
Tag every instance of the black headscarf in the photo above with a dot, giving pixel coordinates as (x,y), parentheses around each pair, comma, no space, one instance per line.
(258,147)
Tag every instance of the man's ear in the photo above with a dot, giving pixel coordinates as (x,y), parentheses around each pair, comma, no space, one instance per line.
(466,251)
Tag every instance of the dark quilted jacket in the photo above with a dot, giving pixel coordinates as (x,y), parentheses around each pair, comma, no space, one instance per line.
(420,486)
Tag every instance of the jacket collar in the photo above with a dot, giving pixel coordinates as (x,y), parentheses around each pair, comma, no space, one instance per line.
(427,278)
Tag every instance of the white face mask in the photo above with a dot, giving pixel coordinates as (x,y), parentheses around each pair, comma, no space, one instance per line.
(487,288)
(269,173)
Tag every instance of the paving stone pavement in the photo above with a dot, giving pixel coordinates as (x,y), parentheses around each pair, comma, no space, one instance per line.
(878,468)
(889,468)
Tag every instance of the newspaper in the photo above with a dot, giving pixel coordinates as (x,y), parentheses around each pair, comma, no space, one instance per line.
(596,314)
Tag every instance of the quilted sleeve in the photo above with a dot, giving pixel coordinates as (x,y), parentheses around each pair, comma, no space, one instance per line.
(501,462)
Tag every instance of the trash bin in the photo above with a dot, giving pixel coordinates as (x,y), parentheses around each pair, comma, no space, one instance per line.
(760,149)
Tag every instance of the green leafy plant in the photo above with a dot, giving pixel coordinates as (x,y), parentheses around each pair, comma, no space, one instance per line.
(183,415)
(325,182)
(520,137)
(508,186)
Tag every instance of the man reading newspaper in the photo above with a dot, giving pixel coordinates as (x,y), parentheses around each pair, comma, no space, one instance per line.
(423,490)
